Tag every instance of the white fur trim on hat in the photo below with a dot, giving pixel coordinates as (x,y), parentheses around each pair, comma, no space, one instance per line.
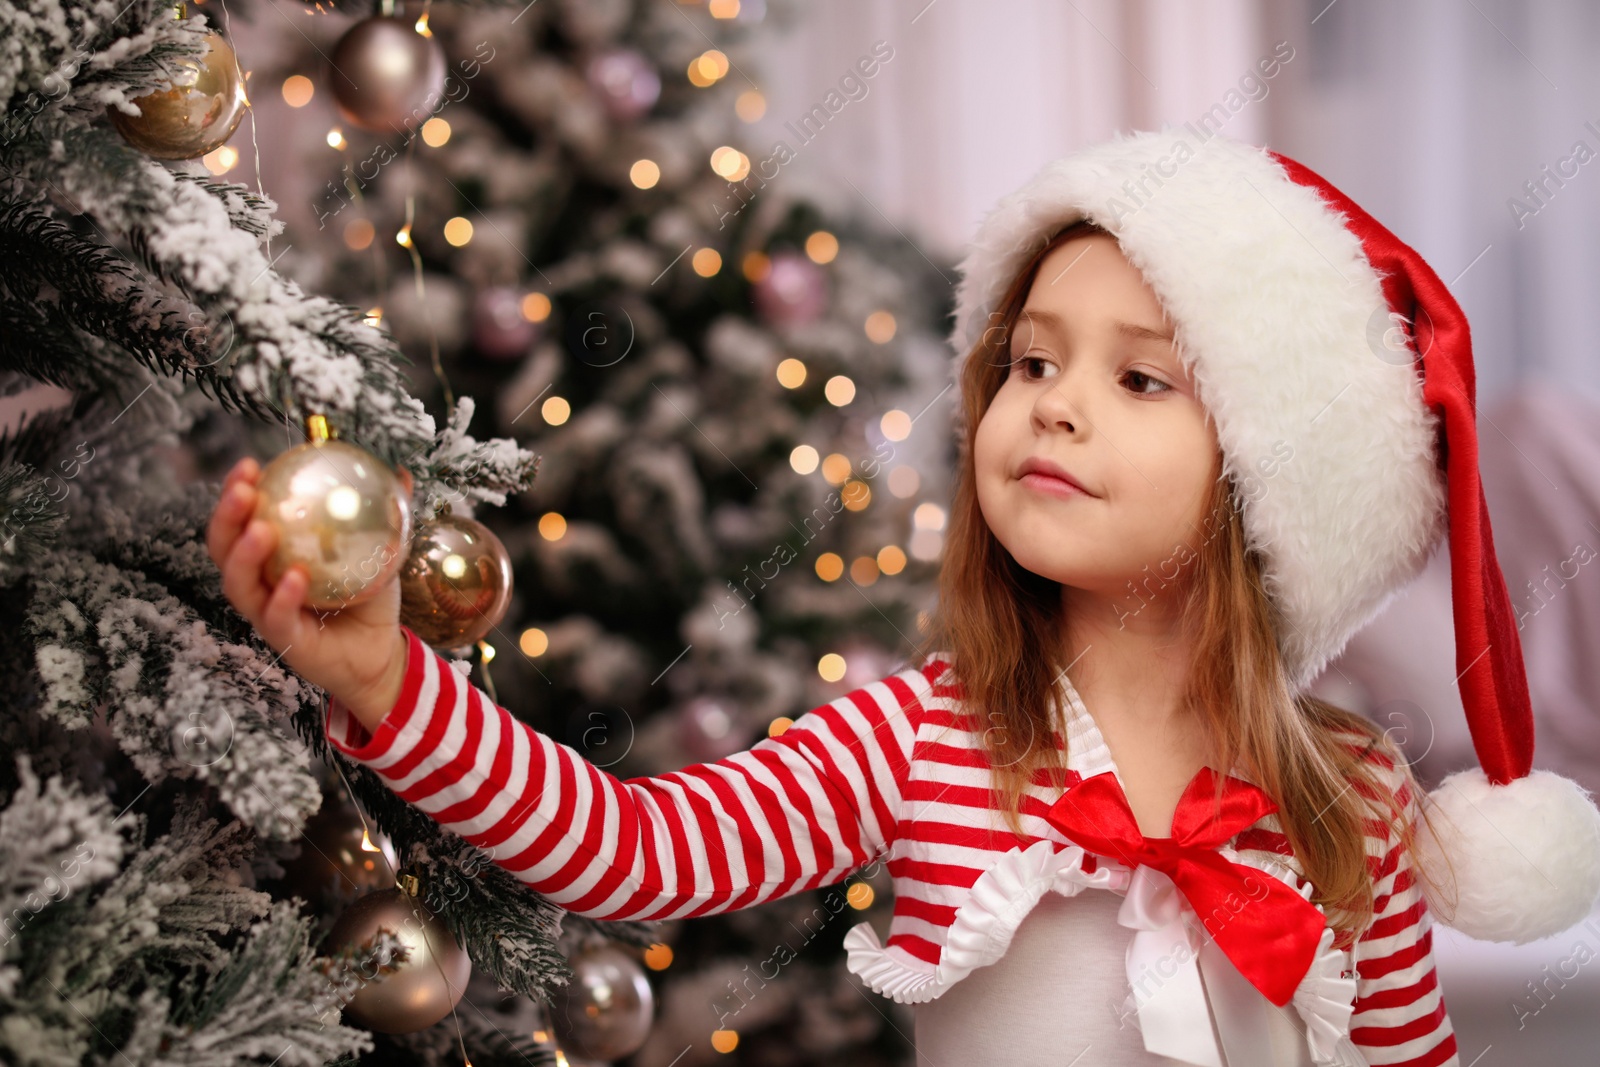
(1277,313)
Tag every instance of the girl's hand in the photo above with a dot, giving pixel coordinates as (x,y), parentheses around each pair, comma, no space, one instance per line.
(357,654)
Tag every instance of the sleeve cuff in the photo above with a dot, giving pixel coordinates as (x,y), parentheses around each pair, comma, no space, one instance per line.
(347,734)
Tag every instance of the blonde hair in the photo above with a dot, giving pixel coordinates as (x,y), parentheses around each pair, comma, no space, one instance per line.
(1330,771)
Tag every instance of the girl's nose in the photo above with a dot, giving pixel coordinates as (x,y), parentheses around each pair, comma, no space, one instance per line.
(1058,404)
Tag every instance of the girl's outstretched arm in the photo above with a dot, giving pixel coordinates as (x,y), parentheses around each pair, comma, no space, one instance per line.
(793,812)
(1399,1013)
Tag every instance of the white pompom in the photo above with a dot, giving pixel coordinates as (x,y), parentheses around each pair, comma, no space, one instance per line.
(1526,855)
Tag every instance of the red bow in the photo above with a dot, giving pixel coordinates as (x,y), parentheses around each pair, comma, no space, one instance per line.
(1270,936)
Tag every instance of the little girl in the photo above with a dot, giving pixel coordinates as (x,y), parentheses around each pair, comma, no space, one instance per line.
(1200,452)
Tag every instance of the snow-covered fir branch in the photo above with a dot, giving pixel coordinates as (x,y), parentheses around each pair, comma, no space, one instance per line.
(76,309)
(508,930)
(271,1002)
(181,702)
(55,840)
(292,352)
(297,353)
(462,467)
(76,58)
(143,968)
(285,352)
(29,519)
(249,211)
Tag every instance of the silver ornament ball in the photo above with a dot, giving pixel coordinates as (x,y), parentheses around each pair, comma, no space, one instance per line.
(607,1010)
(386,76)
(499,328)
(428,984)
(794,291)
(626,82)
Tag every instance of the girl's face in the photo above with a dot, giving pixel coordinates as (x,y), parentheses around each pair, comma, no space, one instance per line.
(1095,387)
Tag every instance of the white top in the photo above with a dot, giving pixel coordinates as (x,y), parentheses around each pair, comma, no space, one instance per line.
(1061,994)
(1055,998)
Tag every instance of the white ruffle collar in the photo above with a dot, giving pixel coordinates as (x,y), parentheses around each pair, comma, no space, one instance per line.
(1004,894)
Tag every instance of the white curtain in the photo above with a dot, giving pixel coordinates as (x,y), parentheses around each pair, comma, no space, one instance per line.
(1434,115)
(1431,114)
(978,95)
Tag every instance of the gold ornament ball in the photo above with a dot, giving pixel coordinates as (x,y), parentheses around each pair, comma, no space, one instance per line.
(386,76)
(429,982)
(606,1011)
(342,513)
(197,115)
(456,583)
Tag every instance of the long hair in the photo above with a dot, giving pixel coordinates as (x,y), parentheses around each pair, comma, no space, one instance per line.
(999,626)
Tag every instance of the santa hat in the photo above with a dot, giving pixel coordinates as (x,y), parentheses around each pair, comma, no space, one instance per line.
(1305,322)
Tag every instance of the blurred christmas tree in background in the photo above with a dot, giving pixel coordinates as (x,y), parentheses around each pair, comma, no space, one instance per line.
(721,377)
(547,221)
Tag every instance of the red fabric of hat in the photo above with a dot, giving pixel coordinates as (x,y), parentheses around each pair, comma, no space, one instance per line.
(1493,683)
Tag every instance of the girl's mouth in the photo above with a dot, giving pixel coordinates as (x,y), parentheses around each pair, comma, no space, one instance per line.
(1053,486)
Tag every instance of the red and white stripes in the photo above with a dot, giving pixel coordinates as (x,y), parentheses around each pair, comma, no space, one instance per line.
(1399,1013)
(793,812)
(893,770)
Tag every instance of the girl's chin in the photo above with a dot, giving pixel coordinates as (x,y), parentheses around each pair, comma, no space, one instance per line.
(1071,572)
(1109,583)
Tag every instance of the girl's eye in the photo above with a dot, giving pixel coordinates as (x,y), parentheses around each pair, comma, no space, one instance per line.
(1140,377)
(1025,365)
(1034,368)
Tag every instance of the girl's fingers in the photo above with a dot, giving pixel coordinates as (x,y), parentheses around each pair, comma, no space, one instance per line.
(281,621)
(233,511)
(246,470)
(241,573)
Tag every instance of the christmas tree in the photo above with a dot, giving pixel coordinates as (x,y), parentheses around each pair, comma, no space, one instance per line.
(159,763)
(707,353)
(716,371)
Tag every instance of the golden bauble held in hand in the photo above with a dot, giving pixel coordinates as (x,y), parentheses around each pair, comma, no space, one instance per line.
(342,513)
(197,115)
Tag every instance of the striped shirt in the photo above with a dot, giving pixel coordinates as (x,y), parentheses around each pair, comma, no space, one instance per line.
(893,771)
